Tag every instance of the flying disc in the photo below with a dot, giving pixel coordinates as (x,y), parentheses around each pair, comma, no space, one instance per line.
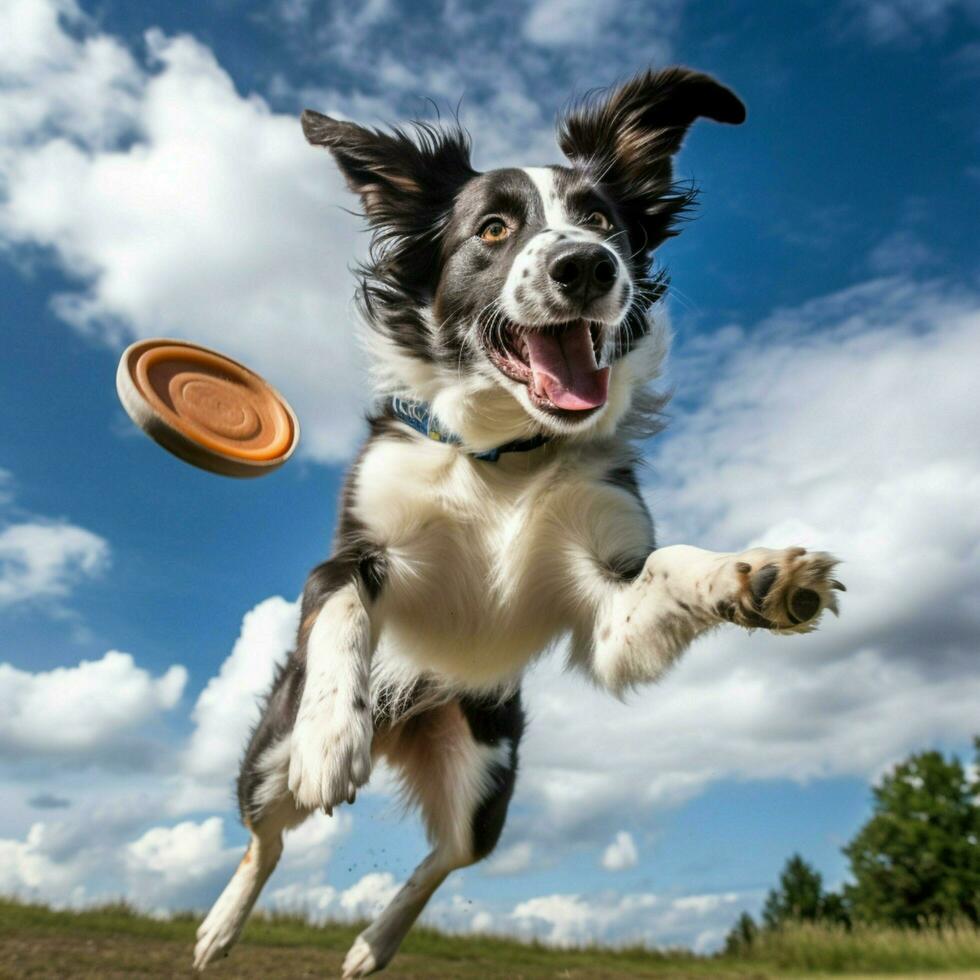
(206,408)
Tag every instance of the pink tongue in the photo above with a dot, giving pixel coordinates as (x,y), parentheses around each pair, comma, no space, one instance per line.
(564,368)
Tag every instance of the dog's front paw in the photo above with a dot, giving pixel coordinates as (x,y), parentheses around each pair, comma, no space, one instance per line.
(330,754)
(784,590)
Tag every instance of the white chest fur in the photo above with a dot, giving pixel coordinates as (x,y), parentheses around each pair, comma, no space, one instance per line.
(487,562)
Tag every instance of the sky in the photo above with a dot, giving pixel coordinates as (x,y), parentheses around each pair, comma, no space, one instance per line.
(826,316)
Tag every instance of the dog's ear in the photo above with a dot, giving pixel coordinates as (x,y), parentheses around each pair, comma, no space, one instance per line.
(404,179)
(627,138)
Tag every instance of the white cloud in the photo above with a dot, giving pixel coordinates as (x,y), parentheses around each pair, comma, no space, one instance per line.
(228,706)
(621,853)
(482,922)
(112,847)
(86,87)
(847,423)
(512,860)
(77,711)
(571,917)
(43,560)
(657,920)
(27,868)
(213,220)
(185,850)
(367,897)
(95,859)
(317,903)
(561,22)
(592,26)
(79,858)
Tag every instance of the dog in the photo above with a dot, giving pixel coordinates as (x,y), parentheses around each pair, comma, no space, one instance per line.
(494,508)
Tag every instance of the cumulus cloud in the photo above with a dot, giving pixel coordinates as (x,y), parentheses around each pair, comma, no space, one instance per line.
(572,919)
(181,207)
(621,853)
(228,707)
(565,21)
(184,851)
(113,848)
(87,87)
(315,902)
(95,858)
(77,711)
(45,560)
(370,895)
(512,860)
(79,858)
(578,23)
(320,902)
(28,868)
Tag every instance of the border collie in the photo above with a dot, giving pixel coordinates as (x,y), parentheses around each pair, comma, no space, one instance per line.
(494,507)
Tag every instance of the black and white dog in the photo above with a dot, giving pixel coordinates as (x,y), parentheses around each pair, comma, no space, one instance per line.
(494,507)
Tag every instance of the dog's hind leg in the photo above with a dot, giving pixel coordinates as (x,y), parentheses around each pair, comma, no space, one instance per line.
(267,809)
(224,923)
(458,763)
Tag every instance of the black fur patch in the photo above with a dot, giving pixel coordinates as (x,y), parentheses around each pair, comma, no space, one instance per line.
(628,137)
(407,180)
(625,568)
(279,710)
(491,721)
(624,477)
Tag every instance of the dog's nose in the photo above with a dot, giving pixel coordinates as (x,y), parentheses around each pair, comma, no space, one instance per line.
(583,271)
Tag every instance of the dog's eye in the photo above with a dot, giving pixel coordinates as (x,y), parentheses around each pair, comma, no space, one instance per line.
(598,220)
(494,231)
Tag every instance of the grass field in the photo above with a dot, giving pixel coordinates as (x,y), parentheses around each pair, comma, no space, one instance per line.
(114,942)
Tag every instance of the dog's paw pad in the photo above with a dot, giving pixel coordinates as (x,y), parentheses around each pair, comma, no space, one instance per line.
(761,582)
(804,604)
(782,590)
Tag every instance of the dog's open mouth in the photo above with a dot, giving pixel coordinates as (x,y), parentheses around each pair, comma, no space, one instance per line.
(558,364)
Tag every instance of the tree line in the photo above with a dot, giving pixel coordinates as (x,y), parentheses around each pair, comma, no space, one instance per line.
(914,864)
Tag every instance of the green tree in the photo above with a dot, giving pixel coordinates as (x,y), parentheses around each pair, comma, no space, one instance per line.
(835,909)
(742,935)
(917,860)
(799,897)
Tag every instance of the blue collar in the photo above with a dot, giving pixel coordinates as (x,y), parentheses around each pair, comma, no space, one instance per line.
(417,415)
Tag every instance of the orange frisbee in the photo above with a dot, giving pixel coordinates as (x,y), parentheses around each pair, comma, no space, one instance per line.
(206,408)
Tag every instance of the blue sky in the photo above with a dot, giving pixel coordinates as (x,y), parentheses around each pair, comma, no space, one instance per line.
(826,310)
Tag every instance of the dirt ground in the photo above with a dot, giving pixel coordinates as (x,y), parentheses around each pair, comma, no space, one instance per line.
(116,958)
(130,957)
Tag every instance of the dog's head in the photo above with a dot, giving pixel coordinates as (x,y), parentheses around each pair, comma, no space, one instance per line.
(523,293)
